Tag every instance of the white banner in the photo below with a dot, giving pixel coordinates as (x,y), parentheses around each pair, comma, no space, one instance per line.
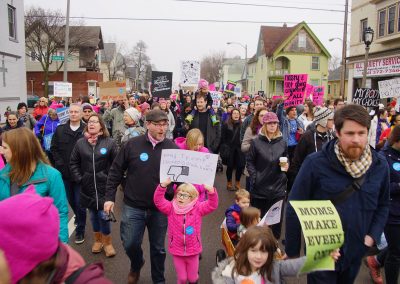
(63,114)
(389,88)
(378,67)
(63,89)
(216,97)
(190,72)
(188,166)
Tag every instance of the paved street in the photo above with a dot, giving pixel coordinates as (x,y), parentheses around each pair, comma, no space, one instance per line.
(117,268)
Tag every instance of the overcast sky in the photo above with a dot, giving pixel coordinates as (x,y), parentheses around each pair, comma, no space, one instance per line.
(170,42)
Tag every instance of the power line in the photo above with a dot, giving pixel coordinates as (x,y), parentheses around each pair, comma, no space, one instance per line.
(187,20)
(261,5)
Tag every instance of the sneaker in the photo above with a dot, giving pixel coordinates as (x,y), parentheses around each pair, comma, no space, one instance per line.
(214,120)
(374,269)
(79,239)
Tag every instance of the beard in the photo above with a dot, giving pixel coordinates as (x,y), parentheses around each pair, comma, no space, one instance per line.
(353,152)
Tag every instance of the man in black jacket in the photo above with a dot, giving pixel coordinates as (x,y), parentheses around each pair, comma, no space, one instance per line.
(62,144)
(140,157)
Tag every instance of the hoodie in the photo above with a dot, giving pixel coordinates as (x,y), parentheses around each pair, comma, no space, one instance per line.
(233,220)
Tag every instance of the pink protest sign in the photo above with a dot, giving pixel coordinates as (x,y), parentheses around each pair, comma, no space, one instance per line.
(211,87)
(294,89)
(276,98)
(230,87)
(309,90)
(318,95)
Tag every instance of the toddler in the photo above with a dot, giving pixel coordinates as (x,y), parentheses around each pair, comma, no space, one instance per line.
(232,214)
(249,217)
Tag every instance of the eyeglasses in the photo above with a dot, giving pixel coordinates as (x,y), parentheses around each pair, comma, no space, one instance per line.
(93,122)
(183,196)
(160,125)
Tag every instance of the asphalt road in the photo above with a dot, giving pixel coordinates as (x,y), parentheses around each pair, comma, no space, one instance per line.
(117,268)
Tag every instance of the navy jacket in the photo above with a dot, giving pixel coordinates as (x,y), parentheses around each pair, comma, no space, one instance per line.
(393,158)
(323,177)
(231,222)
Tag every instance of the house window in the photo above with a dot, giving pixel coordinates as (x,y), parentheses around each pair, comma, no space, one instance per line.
(315,63)
(381,27)
(391,19)
(12,31)
(315,82)
(279,87)
(363,26)
(334,89)
(261,86)
(329,89)
(302,40)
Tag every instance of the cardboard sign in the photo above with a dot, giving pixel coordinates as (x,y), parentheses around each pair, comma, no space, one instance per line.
(62,89)
(230,87)
(188,166)
(309,90)
(63,114)
(190,72)
(161,84)
(322,230)
(294,89)
(318,95)
(389,88)
(216,97)
(273,216)
(366,97)
(112,90)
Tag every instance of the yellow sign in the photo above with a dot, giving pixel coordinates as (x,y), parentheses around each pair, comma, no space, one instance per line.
(112,90)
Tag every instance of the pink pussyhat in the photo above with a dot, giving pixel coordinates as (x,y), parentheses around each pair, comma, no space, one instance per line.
(203,84)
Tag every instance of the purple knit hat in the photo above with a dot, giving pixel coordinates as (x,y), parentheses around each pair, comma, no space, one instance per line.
(29,229)
(270,117)
(202,84)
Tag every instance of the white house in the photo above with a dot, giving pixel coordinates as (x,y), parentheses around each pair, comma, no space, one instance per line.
(12,55)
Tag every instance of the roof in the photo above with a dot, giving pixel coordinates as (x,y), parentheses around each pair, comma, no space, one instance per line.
(273,37)
(107,54)
(334,75)
(92,36)
(252,59)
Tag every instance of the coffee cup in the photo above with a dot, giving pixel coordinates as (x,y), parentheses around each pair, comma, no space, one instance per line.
(283,162)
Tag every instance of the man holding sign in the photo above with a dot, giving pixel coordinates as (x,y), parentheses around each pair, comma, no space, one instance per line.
(356,179)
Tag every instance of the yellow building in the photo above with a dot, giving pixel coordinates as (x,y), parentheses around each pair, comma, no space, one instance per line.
(287,50)
(333,91)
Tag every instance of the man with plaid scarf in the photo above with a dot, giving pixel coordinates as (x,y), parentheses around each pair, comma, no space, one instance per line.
(325,175)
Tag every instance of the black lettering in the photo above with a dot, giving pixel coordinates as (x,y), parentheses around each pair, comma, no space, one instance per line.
(309,225)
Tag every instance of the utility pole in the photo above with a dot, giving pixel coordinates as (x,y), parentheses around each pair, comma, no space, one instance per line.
(344,48)
(66,41)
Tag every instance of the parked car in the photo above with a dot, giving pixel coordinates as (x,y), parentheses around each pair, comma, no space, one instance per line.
(32,99)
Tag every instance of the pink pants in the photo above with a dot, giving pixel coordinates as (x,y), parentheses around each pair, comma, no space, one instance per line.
(187,268)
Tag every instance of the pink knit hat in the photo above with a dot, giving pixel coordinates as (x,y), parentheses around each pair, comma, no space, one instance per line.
(270,117)
(203,84)
(144,106)
(29,228)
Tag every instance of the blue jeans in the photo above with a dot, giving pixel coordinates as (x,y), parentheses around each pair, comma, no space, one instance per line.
(98,223)
(73,191)
(133,223)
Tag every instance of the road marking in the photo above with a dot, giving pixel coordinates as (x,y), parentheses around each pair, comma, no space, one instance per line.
(71,226)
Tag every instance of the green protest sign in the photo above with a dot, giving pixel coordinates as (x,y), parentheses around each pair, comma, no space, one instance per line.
(322,230)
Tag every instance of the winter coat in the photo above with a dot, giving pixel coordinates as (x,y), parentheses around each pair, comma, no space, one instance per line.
(230,135)
(8,127)
(186,241)
(232,215)
(392,156)
(40,111)
(89,166)
(28,121)
(132,132)
(247,138)
(222,274)
(323,177)
(116,116)
(269,182)
(284,124)
(213,136)
(246,123)
(48,182)
(49,127)
(62,144)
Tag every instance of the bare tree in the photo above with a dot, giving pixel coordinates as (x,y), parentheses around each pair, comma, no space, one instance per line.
(334,63)
(140,60)
(44,37)
(211,65)
(114,60)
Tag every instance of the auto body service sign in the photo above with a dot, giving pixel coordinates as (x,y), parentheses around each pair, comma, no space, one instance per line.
(378,67)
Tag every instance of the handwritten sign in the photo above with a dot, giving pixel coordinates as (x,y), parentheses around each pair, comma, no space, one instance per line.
(112,90)
(190,72)
(63,114)
(216,97)
(273,216)
(188,166)
(230,87)
(309,90)
(161,84)
(322,230)
(63,89)
(366,97)
(389,88)
(318,95)
(294,89)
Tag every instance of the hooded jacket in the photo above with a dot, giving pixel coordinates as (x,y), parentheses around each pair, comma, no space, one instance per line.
(49,127)
(323,177)
(232,215)
(89,166)
(230,135)
(39,111)
(284,124)
(186,241)
(269,182)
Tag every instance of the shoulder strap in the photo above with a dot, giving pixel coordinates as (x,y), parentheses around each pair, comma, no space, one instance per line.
(74,276)
(350,189)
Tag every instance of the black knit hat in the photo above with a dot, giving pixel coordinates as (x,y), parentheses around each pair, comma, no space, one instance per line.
(21,105)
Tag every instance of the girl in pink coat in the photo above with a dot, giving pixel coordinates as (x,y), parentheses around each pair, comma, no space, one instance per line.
(185,211)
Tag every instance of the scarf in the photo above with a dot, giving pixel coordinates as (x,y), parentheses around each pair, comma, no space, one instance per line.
(153,141)
(92,138)
(181,210)
(355,168)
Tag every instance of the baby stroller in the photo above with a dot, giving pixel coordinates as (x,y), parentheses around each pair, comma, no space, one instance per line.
(227,243)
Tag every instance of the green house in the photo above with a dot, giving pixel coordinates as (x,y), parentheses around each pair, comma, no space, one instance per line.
(287,50)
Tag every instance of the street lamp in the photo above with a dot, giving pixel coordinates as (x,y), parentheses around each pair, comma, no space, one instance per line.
(368,37)
(245,55)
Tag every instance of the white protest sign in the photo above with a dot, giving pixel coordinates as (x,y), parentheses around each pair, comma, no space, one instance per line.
(389,88)
(188,166)
(63,114)
(216,97)
(273,216)
(238,91)
(63,89)
(190,72)
(397,106)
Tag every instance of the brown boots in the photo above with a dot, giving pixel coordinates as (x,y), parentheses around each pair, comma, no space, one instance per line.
(237,184)
(103,242)
(229,186)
